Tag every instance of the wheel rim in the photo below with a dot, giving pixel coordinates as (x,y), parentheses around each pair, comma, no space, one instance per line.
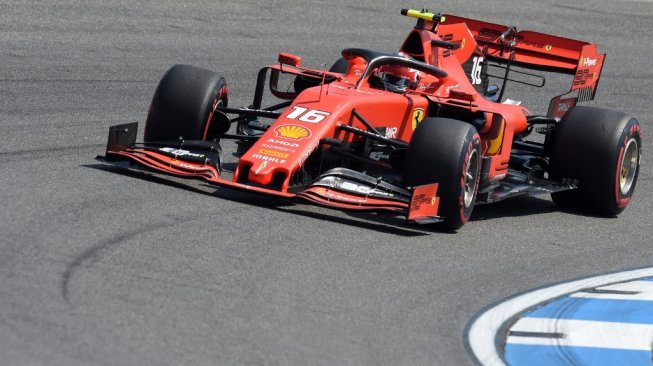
(471,176)
(628,165)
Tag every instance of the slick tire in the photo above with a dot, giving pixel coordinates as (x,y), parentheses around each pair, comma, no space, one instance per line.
(447,152)
(601,149)
(183,104)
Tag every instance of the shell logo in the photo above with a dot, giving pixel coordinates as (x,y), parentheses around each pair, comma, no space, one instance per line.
(292,132)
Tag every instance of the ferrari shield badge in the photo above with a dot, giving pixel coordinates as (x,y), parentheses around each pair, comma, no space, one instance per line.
(418,116)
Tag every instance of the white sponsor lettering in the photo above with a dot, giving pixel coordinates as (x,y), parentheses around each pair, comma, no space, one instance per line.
(276,147)
(362,189)
(391,133)
(589,61)
(179,152)
(268,158)
(450,87)
(378,155)
(284,143)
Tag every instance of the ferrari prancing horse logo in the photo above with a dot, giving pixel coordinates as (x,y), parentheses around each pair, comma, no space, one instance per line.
(418,116)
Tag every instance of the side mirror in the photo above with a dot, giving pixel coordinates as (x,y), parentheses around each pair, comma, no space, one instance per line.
(289,59)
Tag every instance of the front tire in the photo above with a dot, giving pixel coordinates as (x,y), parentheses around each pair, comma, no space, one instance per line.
(447,152)
(302,83)
(183,104)
(601,149)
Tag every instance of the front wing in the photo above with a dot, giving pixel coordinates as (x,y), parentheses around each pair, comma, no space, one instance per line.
(202,161)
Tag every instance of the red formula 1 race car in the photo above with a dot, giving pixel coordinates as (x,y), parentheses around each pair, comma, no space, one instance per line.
(420,132)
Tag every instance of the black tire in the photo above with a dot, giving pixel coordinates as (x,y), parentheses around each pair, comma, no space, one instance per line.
(595,146)
(183,103)
(340,66)
(448,152)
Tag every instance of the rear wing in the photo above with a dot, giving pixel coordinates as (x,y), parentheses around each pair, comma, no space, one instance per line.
(540,51)
(537,50)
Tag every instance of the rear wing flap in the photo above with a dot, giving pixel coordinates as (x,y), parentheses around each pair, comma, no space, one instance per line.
(541,51)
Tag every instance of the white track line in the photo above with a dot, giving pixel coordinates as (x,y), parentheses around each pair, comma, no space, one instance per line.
(584,333)
(485,327)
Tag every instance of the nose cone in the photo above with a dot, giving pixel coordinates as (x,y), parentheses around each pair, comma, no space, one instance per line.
(282,149)
(291,139)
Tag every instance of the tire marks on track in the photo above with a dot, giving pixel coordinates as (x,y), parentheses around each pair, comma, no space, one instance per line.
(35,154)
(589,10)
(93,254)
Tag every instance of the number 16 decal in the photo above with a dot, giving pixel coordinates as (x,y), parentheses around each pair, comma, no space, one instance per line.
(306,115)
(476,70)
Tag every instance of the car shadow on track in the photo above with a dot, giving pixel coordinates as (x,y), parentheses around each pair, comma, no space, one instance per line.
(367,221)
(513,207)
(526,206)
(389,224)
(380,222)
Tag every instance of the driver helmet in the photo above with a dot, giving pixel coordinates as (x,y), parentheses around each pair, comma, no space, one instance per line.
(397,78)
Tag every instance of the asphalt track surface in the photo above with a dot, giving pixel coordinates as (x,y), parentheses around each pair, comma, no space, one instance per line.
(107,268)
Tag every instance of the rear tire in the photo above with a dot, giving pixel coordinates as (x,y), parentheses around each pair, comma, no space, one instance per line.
(601,149)
(183,104)
(447,152)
